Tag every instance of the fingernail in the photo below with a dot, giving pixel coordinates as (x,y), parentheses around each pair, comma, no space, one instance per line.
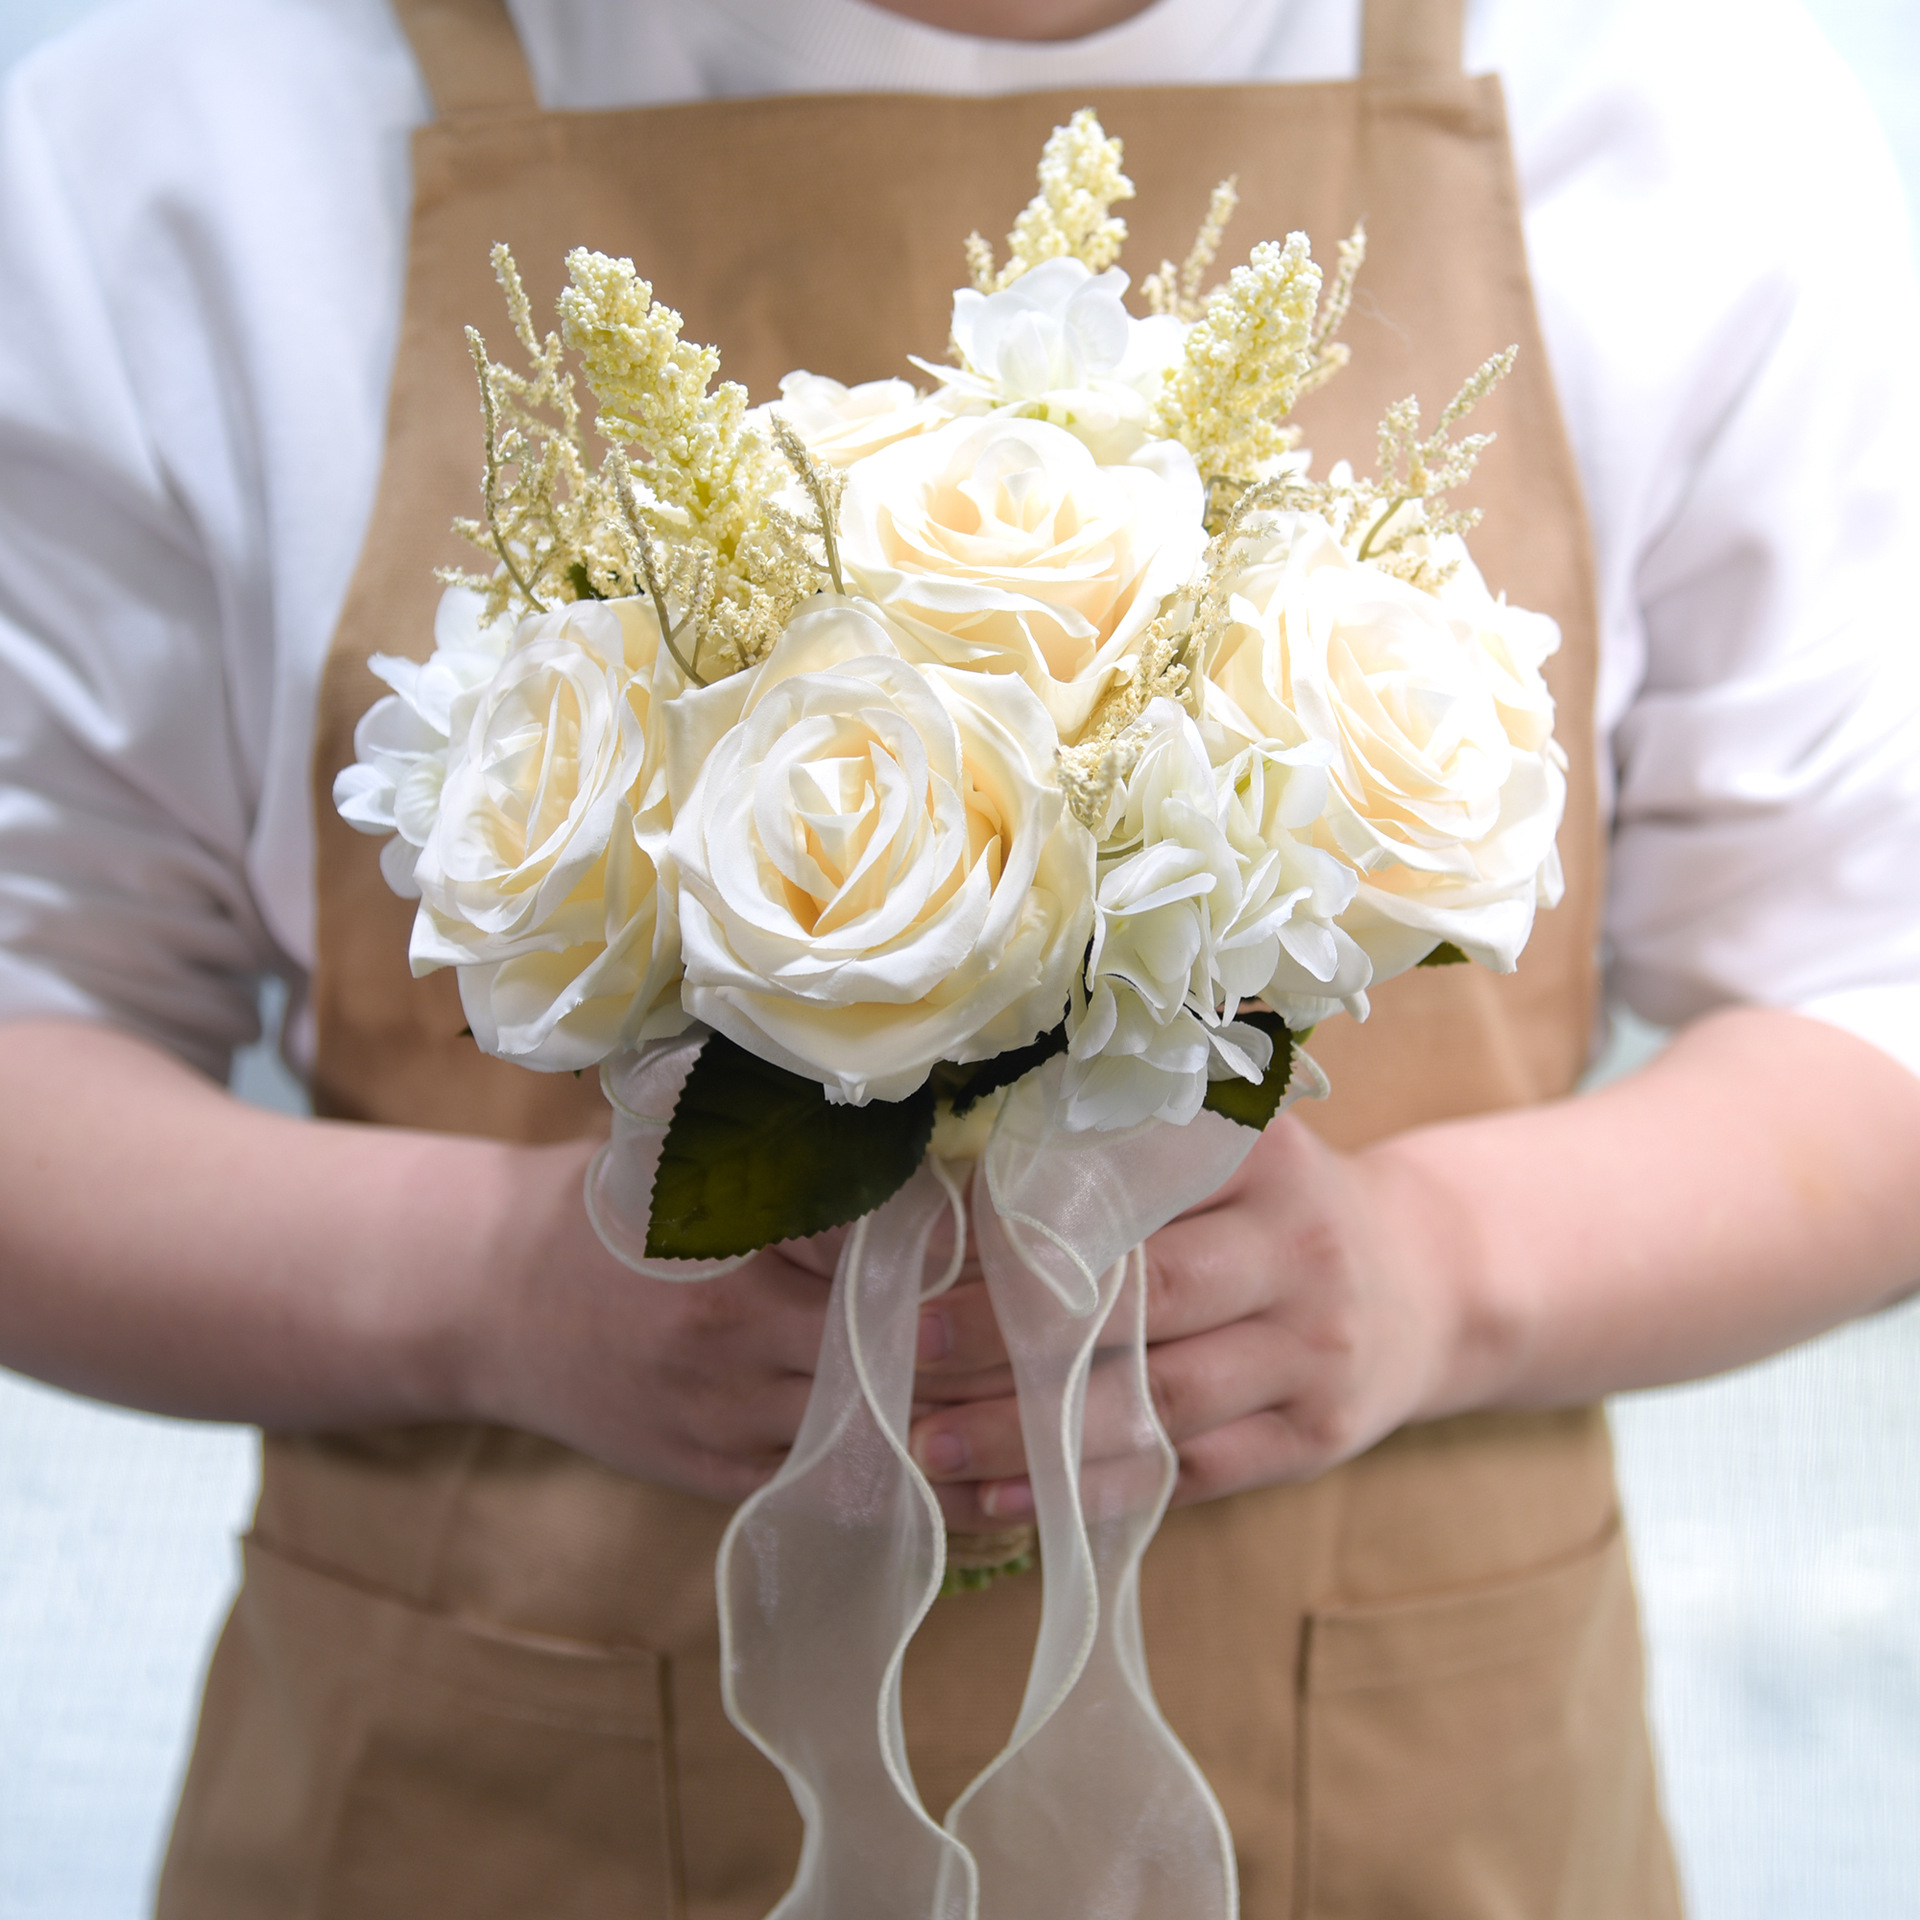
(933,1340)
(1007,1500)
(941,1451)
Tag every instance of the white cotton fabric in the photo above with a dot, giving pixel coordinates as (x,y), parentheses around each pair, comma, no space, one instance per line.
(203,213)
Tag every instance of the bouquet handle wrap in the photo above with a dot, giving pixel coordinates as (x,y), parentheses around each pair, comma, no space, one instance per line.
(1093,1810)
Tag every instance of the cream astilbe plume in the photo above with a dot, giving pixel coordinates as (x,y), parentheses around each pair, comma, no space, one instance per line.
(1080,180)
(1395,518)
(824,486)
(1417,473)
(550,522)
(1245,360)
(703,479)
(1171,665)
(1326,355)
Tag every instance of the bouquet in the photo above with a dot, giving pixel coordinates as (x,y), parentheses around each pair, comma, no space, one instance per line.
(958,803)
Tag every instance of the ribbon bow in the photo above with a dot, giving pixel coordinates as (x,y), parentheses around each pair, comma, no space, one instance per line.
(1093,1810)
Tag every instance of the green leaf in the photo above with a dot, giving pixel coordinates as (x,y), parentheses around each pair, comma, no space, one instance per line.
(755,1154)
(1446,954)
(581,582)
(1240,1099)
(967,1085)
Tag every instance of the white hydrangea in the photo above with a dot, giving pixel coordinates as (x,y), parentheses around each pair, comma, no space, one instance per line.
(1060,345)
(1273,795)
(842,424)
(1203,901)
(401,743)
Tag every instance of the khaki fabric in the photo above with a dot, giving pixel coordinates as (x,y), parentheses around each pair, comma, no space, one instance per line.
(471,1674)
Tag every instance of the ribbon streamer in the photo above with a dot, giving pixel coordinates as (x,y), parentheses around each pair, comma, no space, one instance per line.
(1093,1810)
(824,1575)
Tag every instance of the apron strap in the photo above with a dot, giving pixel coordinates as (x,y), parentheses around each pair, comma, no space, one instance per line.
(1411,39)
(469,56)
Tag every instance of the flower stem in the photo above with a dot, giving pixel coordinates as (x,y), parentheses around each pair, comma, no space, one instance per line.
(490,492)
(643,548)
(1366,545)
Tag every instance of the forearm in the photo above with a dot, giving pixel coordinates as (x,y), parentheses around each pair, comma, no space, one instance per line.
(1753,1185)
(164,1246)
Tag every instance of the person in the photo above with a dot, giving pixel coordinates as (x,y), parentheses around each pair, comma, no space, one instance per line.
(201,319)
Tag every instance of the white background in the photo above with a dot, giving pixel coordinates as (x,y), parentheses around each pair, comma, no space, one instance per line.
(1775,1514)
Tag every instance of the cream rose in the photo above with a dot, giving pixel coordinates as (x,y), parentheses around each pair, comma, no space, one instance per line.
(538,878)
(1445,786)
(1001,546)
(874,868)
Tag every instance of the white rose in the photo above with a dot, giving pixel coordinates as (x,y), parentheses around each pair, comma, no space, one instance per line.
(1446,788)
(401,743)
(538,879)
(842,424)
(1059,344)
(1195,912)
(1001,546)
(875,869)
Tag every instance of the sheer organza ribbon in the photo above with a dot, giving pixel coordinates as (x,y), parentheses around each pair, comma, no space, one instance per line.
(1093,1810)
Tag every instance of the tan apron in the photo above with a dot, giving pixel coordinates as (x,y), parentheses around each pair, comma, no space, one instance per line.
(473,1675)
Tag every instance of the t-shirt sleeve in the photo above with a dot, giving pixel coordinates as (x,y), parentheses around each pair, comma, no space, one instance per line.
(1728,283)
(125,792)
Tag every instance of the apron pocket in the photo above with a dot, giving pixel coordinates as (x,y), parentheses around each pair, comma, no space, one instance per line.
(404,1763)
(1483,1755)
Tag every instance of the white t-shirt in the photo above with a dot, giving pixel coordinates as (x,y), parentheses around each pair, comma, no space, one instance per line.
(203,210)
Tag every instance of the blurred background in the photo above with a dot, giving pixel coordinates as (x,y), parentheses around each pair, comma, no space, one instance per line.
(1775,1515)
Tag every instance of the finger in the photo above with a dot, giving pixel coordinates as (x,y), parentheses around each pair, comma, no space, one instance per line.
(979,1440)
(931,1390)
(1231,1373)
(1273,1445)
(1196,1385)
(962,1506)
(1210,1270)
(1193,1386)
(1271,1218)
(958,1333)
(767,1318)
(1109,1490)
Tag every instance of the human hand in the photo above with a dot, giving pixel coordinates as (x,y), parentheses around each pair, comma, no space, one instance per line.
(698,1385)
(1303,1312)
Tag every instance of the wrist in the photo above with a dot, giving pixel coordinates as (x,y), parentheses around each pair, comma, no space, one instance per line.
(1471,1320)
(501,1307)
